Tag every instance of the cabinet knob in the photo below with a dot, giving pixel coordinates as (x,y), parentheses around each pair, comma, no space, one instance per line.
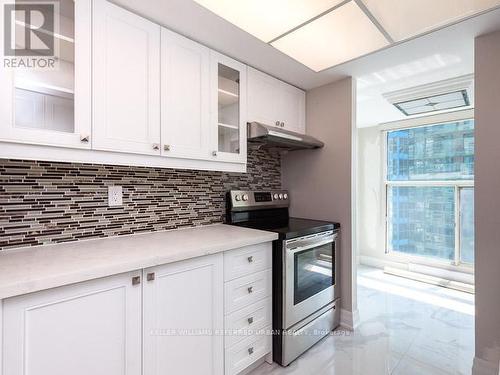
(214,153)
(250,289)
(84,138)
(250,259)
(166,148)
(250,350)
(156,146)
(250,320)
(136,280)
(150,276)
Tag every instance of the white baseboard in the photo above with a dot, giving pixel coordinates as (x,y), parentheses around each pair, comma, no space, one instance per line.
(349,319)
(379,263)
(435,271)
(483,367)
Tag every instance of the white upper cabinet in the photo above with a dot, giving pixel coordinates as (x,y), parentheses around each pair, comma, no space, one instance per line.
(92,327)
(185,89)
(50,106)
(184,317)
(293,108)
(273,102)
(228,103)
(263,98)
(126,81)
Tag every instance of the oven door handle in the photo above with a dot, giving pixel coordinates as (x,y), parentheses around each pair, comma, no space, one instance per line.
(294,250)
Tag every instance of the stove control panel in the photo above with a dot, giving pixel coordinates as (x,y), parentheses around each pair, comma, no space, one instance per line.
(247,200)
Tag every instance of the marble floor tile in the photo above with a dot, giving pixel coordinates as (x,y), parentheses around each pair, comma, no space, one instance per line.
(406,327)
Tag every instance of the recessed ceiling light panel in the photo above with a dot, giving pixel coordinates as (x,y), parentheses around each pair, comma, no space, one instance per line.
(403,19)
(338,36)
(268,19)
(434,103)
(437,96)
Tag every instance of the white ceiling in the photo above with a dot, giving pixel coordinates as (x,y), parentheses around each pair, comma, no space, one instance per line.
(440,55)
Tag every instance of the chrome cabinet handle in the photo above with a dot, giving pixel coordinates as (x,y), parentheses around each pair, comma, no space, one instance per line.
(84,138)
(250,320)
(250,259)
(150,276)
(250,350)
(166,148)
(156,146)
(136,280)
(250,289)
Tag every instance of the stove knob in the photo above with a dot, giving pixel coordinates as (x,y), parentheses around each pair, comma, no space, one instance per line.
(237,197)
(245,197)
(281,196)
(275,196)
(285,196)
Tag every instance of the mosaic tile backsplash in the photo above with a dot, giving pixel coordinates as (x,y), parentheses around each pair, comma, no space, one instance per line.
(50,202)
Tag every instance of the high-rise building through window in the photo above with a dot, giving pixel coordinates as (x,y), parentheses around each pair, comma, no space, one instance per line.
(430,191)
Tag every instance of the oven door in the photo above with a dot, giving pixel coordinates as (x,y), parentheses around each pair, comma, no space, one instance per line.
(309,275)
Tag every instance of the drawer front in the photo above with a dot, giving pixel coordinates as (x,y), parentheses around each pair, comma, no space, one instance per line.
(243,323)
(247,260)
(247,290)
(246,352)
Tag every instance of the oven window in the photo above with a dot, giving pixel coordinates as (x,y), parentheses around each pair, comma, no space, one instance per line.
(314,271)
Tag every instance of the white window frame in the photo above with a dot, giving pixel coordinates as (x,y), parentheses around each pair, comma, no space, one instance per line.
(456,184)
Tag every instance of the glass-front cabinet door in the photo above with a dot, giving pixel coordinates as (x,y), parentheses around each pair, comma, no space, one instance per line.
(45,77)
(228,119)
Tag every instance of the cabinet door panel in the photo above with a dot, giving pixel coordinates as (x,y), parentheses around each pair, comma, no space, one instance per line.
(183,309)
(51,106)
(126,91)
(86,328)
(274,102)
(228,90)
(292,108)
(263,97)
(185,97)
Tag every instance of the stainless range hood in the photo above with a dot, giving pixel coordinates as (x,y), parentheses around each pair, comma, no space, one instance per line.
(271,136)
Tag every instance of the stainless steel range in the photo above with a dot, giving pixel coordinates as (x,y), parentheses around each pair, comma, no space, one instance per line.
(306,305)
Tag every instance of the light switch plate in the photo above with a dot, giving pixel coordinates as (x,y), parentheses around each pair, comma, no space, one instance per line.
(115,196)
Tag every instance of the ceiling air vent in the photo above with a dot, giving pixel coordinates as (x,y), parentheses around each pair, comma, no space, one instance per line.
(435,97)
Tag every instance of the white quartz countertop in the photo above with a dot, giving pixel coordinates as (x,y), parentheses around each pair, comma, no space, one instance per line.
(31,269)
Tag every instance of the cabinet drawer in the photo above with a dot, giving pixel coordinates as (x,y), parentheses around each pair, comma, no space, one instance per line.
(247,290)
(247,260)
(243,323)
(246,352)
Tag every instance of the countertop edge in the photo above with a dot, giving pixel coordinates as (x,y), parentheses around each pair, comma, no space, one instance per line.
(79,275)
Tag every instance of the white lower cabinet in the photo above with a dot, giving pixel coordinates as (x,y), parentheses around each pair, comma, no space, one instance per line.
(87,328)
(183,317)
(168,319)
(248,306)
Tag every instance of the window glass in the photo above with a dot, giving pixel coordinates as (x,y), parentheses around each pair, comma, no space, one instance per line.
(467,225)
(421,221)
(437,152)
(429,174)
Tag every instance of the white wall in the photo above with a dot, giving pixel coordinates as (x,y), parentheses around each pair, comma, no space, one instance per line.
(371,205)
(487,203)
(320,181)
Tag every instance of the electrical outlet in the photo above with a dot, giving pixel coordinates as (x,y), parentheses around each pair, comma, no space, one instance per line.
(115,196)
